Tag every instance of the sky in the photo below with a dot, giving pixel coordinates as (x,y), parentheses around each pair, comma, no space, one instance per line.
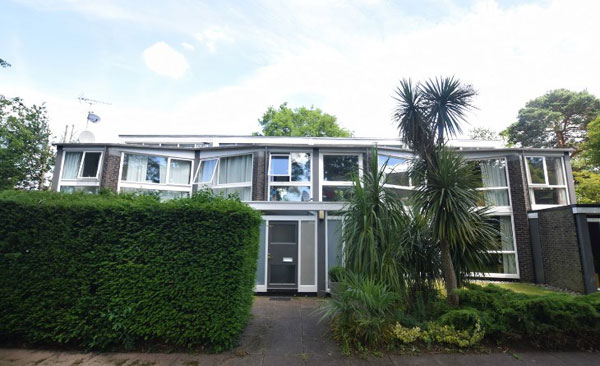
(214,67)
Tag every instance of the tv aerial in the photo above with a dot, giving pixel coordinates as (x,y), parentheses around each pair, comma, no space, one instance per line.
(91,116)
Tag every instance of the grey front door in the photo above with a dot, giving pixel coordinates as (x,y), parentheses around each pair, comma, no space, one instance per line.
(283,255)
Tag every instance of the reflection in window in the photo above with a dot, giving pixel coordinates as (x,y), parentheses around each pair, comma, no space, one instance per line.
(547,180)
(289,177)
(77,189)
(162,195)
(396,170)
(337,193)
(503,258)
(339,168)
(290,193)
(206,171)
(536,170)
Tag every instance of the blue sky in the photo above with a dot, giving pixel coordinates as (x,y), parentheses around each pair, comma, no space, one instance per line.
(214,67)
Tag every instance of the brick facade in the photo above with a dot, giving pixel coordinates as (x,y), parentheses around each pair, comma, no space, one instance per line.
(259,177)
(110,170)
(560,249)
(520,205)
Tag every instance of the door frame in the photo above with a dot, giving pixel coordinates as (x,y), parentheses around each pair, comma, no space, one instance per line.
(298,219)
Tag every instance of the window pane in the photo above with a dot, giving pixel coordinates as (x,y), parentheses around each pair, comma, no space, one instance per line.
(300,167)
(549,196)
(333,193)
(235,169)
(307,253)
(502,263)
(156,169)
(555,171)
(339,168)
(161,194)
(503,225)
(493,173)
(90,164)
(280,165)
(396,170)
(134,168)
(536,170)
(289,193)
(207,169)
(260,267)
(244,193)
(74,189)
(403,194)
(179,172)
(496,197)
(334,243)
(71,165)
(283,232)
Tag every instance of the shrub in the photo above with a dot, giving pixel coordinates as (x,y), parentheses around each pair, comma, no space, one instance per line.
(336,273)
(104,271)
(549,320)
(363,314)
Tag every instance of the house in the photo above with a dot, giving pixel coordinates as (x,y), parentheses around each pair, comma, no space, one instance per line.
(300,183)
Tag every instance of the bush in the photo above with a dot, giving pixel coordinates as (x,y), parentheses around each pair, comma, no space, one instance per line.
(336,273)
(105,271)
(550,320)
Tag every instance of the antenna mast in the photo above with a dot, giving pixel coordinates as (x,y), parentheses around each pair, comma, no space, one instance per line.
(91,116)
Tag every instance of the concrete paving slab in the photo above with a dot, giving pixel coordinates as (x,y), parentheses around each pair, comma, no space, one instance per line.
(578,358)
(420,360)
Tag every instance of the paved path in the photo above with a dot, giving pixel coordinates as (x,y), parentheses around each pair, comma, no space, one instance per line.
(284,331)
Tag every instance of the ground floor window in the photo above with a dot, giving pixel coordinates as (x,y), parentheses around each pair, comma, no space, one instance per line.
(75,189)
(163,195)
(504,255)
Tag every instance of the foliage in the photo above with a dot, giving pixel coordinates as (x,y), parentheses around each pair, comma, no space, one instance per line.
(363,313)
(483,133)
(592,146)
(447,201)
(336,273)
(25,152)
(374,221)
(587,186)
(300,122)
(4,64)
(558,118)
(117,271)
(550,320)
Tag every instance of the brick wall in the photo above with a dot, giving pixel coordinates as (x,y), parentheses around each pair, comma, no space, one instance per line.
(560,249)
(110,170)
(258,176)
(520,205)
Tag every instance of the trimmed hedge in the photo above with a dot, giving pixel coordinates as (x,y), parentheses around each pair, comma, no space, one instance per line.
(549,320)
(112,271)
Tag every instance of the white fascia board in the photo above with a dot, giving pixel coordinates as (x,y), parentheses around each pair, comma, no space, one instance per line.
(586,210)
(532,215)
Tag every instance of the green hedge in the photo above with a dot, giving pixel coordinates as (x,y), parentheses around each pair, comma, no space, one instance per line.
(109,271)
(549,320)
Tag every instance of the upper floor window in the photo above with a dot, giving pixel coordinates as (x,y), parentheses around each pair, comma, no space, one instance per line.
(494,182)
(227,175)
(546,179)
(156,169)
(396,174)
(81,164)
(338,171)
(290,177)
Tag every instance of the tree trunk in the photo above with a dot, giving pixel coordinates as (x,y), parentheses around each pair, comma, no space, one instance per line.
(448,272)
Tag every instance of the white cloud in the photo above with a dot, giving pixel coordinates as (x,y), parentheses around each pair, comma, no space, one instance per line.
(164,60)
(188,46)
(213,35)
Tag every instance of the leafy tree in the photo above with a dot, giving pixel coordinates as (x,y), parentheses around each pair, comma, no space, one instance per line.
(559,118)
(4,64)
(25,151)
(300,122)
(591,148)
(426,114)
(483,133)
(587,186)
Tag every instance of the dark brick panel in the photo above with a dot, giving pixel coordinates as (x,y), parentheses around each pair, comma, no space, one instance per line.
(110,170)
(259,176)
(560,249)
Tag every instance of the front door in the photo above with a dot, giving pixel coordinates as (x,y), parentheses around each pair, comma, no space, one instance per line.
(283,255)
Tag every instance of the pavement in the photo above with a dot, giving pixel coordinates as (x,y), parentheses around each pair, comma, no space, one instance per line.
(286,331)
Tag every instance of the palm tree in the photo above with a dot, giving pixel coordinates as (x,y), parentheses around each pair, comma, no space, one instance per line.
(427,114)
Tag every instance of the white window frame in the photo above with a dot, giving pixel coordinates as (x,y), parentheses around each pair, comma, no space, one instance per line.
(289,183)
(332,218)
(80,170)
(410,187)
(323,183)
(156,186)
(80,181)
(507,187)
(212,175)
(546,184)
(217,171)
(514,251)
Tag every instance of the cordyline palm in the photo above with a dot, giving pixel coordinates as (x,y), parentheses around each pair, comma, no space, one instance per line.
(426,114)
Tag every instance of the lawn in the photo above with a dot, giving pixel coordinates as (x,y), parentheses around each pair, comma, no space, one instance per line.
(525,288)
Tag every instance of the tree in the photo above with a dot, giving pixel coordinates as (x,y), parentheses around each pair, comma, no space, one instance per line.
(587,186)
(300,122)
(4,64)
(591,149)
(426,114)
(559,118)
(483,133)
(25,151)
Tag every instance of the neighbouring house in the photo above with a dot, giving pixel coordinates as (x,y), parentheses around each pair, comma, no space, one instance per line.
(299,184)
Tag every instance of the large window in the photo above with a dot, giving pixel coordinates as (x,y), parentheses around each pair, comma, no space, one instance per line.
(163,195)
(81,164)
(227,175)
(504,258)
(338,171)
(290,177)
(547,186)
(155,170)
(494,183)
(396,174)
